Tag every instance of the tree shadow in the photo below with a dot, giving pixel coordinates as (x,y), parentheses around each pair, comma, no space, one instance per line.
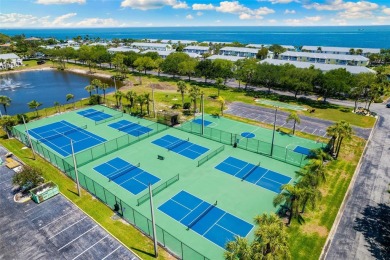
(375,226)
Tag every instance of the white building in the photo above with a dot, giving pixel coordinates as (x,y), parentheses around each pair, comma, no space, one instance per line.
(338,59)
(151,46)
(184,42)
(225,57)
(122,49)
(320,66)
(162,54)
(10,60)
(197,49)
(339,50)
(239,51)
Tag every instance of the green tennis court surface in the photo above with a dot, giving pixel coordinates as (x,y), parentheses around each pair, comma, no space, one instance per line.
(118,171)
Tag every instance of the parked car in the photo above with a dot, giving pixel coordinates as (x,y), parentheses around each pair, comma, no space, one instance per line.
(40,62)
(388,105)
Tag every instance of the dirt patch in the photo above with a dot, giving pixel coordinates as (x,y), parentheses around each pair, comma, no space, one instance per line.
(311,228)
(87,72)
(127,85)
(162,86)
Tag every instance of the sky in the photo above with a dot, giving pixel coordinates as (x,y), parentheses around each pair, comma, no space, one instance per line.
(159,13)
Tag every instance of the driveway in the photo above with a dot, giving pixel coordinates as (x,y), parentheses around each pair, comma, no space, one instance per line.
(308,125)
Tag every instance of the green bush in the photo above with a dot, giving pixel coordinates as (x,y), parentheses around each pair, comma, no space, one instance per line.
(187,105)
(378,100)
(94,99)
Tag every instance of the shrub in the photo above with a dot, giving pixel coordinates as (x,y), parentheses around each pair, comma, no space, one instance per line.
(187,105)
(176,106)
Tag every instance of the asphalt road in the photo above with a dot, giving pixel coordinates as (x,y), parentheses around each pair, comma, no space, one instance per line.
(54,229)
(364,228)
(308,125)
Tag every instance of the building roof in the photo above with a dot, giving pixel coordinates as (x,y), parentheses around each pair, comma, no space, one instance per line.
(193,55)
(32,39)
(9,56)
(203,48)
(217,42)
(324,56)
(148,44)
(320,66)
(225,57)
(258,45)
(240,49)
(99,43)
(339,49)
(122,49)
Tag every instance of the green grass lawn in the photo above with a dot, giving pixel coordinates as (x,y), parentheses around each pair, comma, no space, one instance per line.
(126,233)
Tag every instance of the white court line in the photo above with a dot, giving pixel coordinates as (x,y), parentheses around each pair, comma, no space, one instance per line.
(77,238)
(90,247)
(67,227)
(51,222)
(191,210)
(215,223)
(111,253)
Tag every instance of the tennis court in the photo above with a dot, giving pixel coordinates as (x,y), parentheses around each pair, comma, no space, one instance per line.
(255,174)
(93,114)
(127,175)
(134,129)
(57,136)
(206,219)
(181,146)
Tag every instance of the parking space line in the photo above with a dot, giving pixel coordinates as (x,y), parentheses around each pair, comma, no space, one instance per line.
(314,131)
(111,253)
(40,215)
(56,220)
(90,247)
(76,238)
(303,128)
(67,227)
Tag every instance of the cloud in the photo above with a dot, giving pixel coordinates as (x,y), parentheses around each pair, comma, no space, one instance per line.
(189,17)
(203,7)
(289,11)
(234,7)
(60,2)
(153,4)
(281,1)
(337,5)
(309,20)
(14,20)
(386,11)
(199,13)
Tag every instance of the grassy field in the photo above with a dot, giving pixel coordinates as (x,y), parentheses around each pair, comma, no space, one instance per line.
(126,233)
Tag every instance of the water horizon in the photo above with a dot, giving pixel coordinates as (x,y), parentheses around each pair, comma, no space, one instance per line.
(365,36)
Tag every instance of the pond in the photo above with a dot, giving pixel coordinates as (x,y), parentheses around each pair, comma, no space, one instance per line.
(44,86)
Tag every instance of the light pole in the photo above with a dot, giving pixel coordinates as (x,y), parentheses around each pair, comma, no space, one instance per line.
(75,168)
(153,222)
(28,137)
(273,132)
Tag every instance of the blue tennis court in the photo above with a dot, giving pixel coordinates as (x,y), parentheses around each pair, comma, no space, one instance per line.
(57,136)
(93,114)
(199,121)
(302,150)
(131,128)
(205,219)
(254,174)
(181,146)
(130,177)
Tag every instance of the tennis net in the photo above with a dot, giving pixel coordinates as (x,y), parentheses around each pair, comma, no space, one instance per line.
(124,127)
(196,220)
(250,172)
(48,138)
(176,144)
(123,171)
(93,113)
(108,119)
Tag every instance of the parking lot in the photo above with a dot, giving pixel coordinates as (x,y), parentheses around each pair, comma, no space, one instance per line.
(308,125)
(54,229)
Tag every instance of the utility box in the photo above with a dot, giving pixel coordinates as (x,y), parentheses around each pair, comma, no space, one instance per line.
(44,192)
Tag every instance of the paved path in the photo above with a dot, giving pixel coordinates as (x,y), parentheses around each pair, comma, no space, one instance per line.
(308,125)
(364,228)
(54,229)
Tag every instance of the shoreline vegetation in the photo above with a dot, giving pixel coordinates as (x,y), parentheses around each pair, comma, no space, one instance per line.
(306,240)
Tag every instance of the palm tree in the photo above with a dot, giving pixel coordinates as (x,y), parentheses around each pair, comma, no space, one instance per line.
(89,88)
(34,105)
(293,116)
(291,196)
(182,88)
(218,84)
(7,122)
(96,83)
(6,102)
(194,94)
(70,97)
(310,194)
(271,241)
(339,131)
(332,132)
(57,106)
(147,102)
(104,87)
(118,97)
(131,96)
(141,101)
(221,101)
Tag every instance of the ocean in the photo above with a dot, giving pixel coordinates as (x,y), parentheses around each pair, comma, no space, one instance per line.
(339,36)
